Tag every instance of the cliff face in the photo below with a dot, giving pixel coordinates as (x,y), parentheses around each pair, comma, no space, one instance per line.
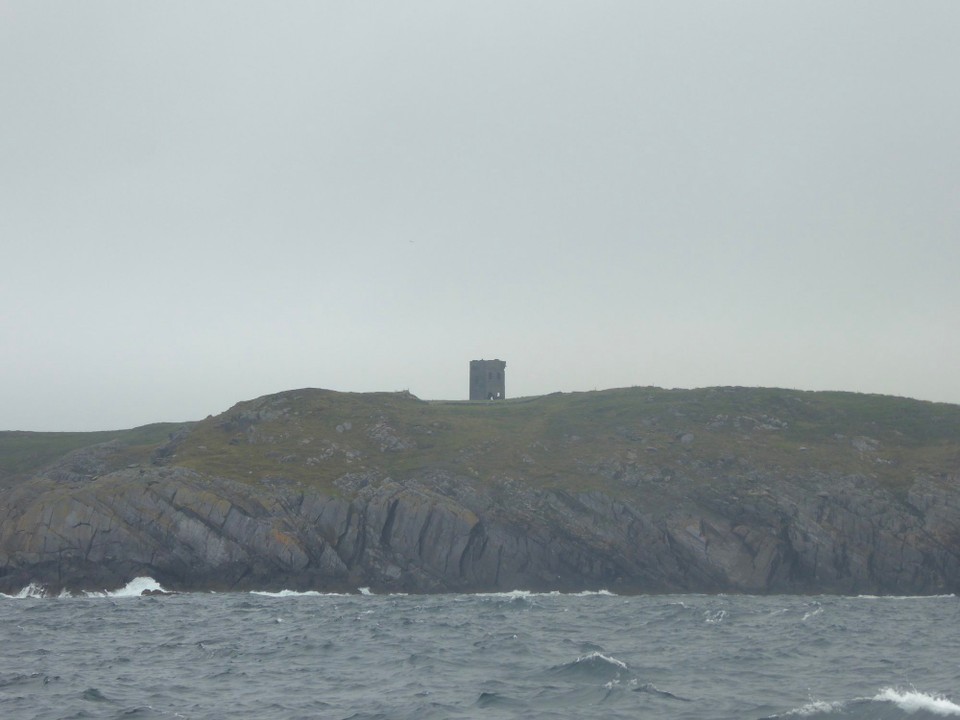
(618,491)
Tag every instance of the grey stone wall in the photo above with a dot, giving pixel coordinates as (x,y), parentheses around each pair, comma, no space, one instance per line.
(488,379)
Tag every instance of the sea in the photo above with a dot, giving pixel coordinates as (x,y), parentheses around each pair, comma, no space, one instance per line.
(518,654)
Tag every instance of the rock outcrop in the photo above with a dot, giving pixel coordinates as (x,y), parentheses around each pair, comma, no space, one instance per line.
(637,513)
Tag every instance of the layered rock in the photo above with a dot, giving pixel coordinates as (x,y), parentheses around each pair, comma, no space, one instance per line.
(195,532)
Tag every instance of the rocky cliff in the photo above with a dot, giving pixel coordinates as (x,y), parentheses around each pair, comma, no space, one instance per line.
(636,490)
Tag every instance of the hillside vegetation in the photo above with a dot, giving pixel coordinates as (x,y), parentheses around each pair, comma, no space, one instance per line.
(24,453)
(564,440)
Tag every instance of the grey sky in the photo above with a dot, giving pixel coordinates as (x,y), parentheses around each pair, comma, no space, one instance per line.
(201,203)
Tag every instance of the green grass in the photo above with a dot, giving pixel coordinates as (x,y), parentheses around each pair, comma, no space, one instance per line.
(573,441)
(24,453)
(561,439)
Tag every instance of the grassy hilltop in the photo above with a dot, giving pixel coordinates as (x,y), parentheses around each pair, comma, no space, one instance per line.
(562,440)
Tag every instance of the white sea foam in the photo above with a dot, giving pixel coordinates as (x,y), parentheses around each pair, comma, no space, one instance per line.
(508,595)
(910,701)
(899,597)
(715,618)
(316,593)
(289,593)
(913,700)
(527,594)
(605,658)
(134,588)
(30,591)
(814,707)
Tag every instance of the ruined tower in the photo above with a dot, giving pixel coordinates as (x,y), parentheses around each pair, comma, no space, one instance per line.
(487,380)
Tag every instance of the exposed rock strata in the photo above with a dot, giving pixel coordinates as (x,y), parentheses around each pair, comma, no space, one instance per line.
(449,534)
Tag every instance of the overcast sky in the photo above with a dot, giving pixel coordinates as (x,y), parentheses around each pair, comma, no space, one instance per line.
(204,202)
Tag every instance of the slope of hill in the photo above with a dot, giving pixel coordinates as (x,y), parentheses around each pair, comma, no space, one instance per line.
(635,490)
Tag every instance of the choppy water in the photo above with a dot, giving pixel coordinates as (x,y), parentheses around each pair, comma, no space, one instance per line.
(514,655)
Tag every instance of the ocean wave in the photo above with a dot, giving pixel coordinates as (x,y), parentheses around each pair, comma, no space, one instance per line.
(600,657)
(595,665)
(528,594)
(495,700)
(912,701)
(814,708)
(507,595)
(652,689)
(714,617)
(899,597)
(134,588)
(888,703)
(297,593)
(32,590)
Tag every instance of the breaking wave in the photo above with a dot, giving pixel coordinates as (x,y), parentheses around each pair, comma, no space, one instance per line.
(135,588)
(30,591)
(888,704)
(297,593)
(594,665)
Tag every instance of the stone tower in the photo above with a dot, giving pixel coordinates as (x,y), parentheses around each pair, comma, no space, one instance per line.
(487,380)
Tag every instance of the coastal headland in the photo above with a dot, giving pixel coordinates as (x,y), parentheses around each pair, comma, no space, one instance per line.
(633,490)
